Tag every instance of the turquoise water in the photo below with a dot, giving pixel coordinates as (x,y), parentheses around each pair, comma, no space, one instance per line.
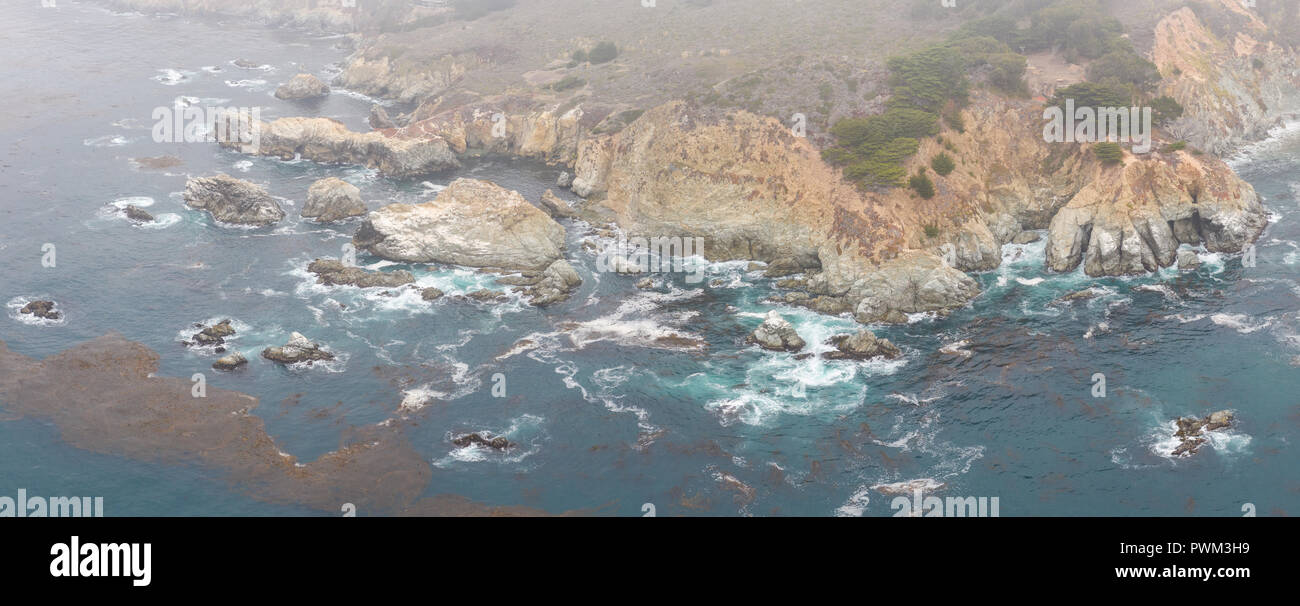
(603,417)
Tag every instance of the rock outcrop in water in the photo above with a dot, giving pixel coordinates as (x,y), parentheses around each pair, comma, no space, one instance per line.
(556,207)
(497,443)
(333,272)
(41,309)
(230,362)
(302,86)
(553,285)
(861,346)
(213,336)
(329,141)
(298,349)
(776,334)
(333,199)
(472,223)
(1191,431)
(137,214)
(232,200)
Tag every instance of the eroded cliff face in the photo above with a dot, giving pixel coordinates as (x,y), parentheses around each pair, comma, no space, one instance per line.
(1233,87)
(329,141)
(523,127)
(406,79)
(472,223)
(753,190)
(1131,219)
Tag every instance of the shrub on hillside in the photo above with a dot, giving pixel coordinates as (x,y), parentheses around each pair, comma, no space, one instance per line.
(1091,94)
(603,52)
(922,184)
(1164,109)
(943,164)
(1108,153)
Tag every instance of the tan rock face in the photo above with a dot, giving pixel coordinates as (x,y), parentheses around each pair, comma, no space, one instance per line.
(333,199)
(1227,97)
(302,86)
(405,79)
(232,200)
(329,141)
(523,127)
(472,223)
(1130,219)
(753,190)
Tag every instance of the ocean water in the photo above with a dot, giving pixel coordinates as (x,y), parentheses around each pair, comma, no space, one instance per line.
(605,413)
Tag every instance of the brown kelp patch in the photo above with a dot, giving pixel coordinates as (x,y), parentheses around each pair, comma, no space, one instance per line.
(103,397)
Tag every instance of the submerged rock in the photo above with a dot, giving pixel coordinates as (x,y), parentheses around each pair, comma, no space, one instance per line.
(302,86)
(333,199)
(472,223)
(158,162)
(137,214)
(334,273)
(861,346)
(298,349)
(232,200)
(230,362)
(1079,295)
(41,309)
(776,334)
(485,295)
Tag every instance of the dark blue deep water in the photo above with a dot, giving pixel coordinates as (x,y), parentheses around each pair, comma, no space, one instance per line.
(603,415)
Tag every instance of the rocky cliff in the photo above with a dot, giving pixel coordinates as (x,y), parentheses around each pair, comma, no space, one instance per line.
(472,223)
(755,190)
(1235,84)
(1131,218)
(329,141)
